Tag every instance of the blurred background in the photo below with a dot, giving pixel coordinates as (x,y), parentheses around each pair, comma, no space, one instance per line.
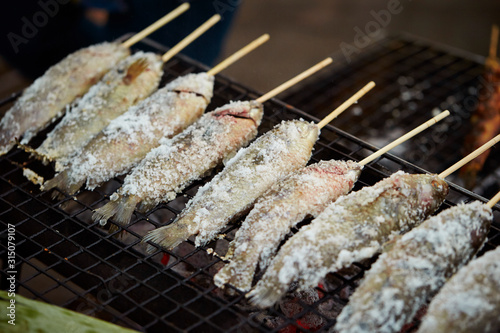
(302,32)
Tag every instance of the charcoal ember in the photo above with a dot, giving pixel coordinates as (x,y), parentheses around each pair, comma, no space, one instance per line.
(292,306)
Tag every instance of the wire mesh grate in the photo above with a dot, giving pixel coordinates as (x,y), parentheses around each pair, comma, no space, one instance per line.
(66,259)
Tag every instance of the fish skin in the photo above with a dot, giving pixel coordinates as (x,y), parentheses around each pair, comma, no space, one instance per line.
(129,137)
(304,193)
(129,82)
(179,161)
(253,170)
(469,301)
(45,100)
(416,266)
(351,229)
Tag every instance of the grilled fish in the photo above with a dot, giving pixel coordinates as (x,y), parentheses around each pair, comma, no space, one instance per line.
(46,98)
(351,229)
(469,301)
(179,161)
(132,80)
(306,192)
(414,267)
(251,172)
(128,138)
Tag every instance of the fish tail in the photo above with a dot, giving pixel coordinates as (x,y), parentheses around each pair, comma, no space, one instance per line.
(238,274)
(168,236)
(265,295)
(64,183)
(104,213)
(272,287)
(122,209)
(126,208)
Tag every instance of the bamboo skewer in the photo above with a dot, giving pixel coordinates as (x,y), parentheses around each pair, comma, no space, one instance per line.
(405,137)
(191,37)
(294,80)
(469,157)
(493,200)
(239,54)
(156,25)
(354,98)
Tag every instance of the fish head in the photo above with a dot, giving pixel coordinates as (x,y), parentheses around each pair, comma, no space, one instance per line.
(430,189)
(309,131)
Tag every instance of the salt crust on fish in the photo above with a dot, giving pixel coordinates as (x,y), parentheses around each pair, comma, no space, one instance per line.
(46,99)
(107,99)
(128,138)
(351,229)
(414,268)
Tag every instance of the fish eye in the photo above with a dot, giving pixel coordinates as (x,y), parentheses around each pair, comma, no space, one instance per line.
(436,184)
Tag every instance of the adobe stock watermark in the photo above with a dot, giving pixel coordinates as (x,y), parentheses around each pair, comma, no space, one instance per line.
(11,273)
(31,26)
(372,29)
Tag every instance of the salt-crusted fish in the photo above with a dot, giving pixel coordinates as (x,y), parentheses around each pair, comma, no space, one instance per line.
(413,268)
(469,301)
(306,192)
(351,229)
(46,98)
(179,161)
(128,138)
(250,173)
(130,81)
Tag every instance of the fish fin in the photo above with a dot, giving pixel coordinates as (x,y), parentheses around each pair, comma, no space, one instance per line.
(135,69)
(264,296)
(121,208)
(168,236)
(63,182)
(126,209)
(113,228)
(104,213)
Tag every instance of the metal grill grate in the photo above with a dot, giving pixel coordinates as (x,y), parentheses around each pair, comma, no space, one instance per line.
(64,258)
